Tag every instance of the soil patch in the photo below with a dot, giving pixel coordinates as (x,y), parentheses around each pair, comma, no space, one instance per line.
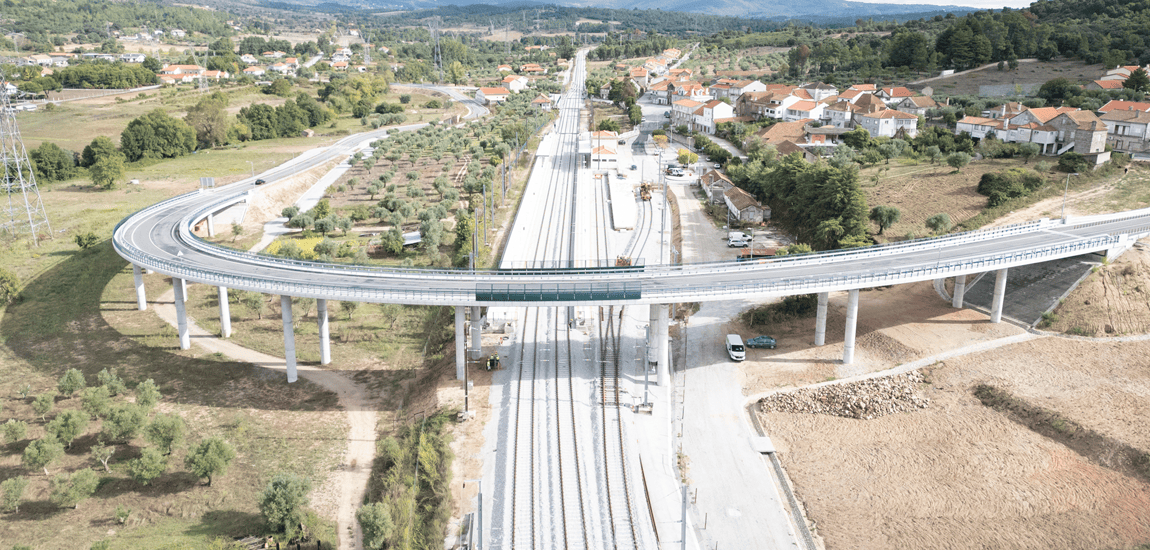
(1112,301)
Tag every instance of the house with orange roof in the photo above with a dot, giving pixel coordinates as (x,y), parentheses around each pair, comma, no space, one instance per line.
(765,104)
(217,75)
(254,71)
(841,114)
(1121,72)
(1127,131)
(1008,110)
(714,184)
(504,69)
(891,95)
(180,70)
(916,105)
(515,83)
(819,91)
(1041,115)
(1082,131)
(689,89)
(732,89)
(803,109)
(639,76)
(1105,85)
(888,123)
(543,103)
(488,96)
(707,116)
(1121,105)
(292,62)
(284,68)
(655,65)
(683,112)
(682,73)
(672,53)
(785,131)
(863,88)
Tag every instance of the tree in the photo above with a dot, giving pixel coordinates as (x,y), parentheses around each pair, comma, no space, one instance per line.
(9,286)
(157,135)
(71,382)
(322,209)
(44,404)
(349,308)
(209,120)
(166,430)
(325,225)
(282,501)
(102,454)
(1138,81)
(149,466)
(884,217)
(1057,90)
(608,125)
(15,430)
(70,490)
(686,157)
(67,426)
(107,170)
(96,401)
(939,223)
(52,163)
(110,380)
(958,160)
(253,301)
(210,458)
(237,230)
(1028,151)
(147,395)
(377,524)
(289,212)
(86,240)
(280,87)
(152,64)
(934,153)
(123,423)
(12,492)
(456,73)
(43,452)
(101,147)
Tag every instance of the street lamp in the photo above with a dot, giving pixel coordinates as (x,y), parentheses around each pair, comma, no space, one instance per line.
(253,166)
(1065,190)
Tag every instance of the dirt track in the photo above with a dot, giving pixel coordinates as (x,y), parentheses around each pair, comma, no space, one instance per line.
(957,470)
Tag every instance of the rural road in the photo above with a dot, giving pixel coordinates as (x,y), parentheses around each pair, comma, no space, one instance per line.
(361,415)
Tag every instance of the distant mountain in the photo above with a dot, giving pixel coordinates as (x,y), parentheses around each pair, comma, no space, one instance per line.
(756,9)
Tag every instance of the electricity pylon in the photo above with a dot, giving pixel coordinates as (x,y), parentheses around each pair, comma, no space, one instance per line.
(26,212)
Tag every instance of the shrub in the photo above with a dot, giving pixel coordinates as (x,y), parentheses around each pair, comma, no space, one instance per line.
(15,430)
(999,187)
(1073,162)
(148,467)
(939,223)
(12,492)
(210,458)
(147,395)
(71,382)
(9,286)
(282,502)
(70,490)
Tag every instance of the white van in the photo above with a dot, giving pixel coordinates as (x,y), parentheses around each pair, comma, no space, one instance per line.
(735,347)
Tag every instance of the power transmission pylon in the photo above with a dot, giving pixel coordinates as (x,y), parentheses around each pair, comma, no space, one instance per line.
(433,27)
(26,213)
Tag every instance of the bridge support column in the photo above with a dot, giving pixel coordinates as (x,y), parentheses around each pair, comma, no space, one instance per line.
(289,338)
(460,343)
(181,314)
(211,225)
(999,295)
(141,296)
(821,319)
(959,290)
(653,334)
(476,349)
(661,336)
(852,318)
(324,332)
(225,312)
(184,288)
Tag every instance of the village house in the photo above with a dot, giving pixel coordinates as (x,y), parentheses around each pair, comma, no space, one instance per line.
(744,207)
(489,96)
(714,184)
(888,123)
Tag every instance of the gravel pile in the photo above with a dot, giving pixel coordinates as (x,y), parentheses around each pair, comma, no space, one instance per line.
(865,399)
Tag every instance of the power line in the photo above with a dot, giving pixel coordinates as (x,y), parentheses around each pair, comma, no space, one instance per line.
(26,213)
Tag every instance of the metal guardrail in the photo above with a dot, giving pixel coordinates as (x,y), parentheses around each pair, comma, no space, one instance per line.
(651,283)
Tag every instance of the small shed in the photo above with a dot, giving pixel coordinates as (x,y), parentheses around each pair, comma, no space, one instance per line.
(744,207)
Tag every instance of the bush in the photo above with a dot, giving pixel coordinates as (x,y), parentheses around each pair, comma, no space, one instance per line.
(12,492)
(70,490)
(282,502)
(148,467)
(9,286)
(210,458)
(999,187)
(939,223)
(1073,162)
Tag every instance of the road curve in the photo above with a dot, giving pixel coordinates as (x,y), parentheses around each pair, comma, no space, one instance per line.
(160,238)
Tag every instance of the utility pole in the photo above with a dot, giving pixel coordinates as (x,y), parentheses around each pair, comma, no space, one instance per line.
(19,179)
(433,27)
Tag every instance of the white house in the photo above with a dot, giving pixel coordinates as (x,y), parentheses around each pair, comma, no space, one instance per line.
(487,96)
(1127,131)
(132,57)
(888,123)
(515,83)
(176,33)
(744,207)
(683,112)
(803,109)
(255,71)
(706,116)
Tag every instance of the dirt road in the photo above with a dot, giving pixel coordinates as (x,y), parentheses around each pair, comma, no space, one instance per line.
(350,482)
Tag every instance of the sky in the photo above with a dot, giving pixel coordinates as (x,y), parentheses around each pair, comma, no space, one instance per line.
(981,4)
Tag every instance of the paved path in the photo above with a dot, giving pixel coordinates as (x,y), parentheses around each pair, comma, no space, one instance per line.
(360,409)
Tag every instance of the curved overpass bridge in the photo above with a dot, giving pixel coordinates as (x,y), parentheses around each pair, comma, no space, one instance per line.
(160,238)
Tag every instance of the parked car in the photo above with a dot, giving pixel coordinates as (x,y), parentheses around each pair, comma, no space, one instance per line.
(260,182)
(634,167)
(762,342)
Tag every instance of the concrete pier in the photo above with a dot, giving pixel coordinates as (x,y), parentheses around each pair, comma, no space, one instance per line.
(181,313)
(821,319)
(999,295)
(225,312)
(324,332)
(959,290)
(460,342)
(289,338)
(852,322)
(141,297)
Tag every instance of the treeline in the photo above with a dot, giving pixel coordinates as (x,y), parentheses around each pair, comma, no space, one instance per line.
(44,22)
(104,75)
(615,48)
(262,121)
